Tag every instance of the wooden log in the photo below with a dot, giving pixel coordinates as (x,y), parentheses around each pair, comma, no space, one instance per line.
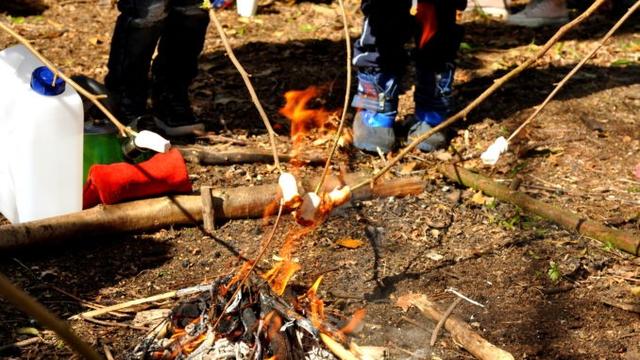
(150,214)
(460,331)
(26,7)
(209,157)
(620,239)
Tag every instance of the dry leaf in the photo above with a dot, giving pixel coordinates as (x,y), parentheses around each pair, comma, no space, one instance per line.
(350,243)
(636,291)
(408,168)
(637,171)
(406,301)
(479,198)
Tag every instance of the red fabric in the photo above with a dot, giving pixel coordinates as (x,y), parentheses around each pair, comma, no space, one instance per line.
(113,183)
(426,15)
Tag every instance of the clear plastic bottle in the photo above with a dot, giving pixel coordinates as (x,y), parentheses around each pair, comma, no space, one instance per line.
(41,140)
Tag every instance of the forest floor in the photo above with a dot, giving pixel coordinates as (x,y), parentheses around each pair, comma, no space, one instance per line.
(545,289)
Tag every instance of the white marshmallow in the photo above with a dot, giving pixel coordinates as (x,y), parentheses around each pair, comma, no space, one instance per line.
(308,211)
(340,196)
(149,140)
(492,154)
(288,187)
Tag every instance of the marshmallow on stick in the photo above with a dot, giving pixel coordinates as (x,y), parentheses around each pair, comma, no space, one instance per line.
(492,154)
(289,188)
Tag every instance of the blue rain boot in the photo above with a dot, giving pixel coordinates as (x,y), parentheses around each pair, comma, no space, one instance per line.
(377,104)
(433,106)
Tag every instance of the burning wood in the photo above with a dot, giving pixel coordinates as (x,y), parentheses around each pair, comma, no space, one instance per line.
(255,323)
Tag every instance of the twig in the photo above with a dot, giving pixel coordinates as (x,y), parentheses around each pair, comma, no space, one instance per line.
(124,305)
(460,295)
(627,307)
(347,96)
(462,114)
(95,99)
(575,69)
(443,319)
(221,139)
(107,352)
(20,344)
(252,91)
(114,324)
(34,309)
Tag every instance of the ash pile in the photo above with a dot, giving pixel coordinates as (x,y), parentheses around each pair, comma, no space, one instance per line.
(222,322)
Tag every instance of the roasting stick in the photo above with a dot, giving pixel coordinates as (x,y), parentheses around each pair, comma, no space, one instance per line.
(497,84)
(95,99)
(34,309)
(347,96)
(499,146)
(252,91)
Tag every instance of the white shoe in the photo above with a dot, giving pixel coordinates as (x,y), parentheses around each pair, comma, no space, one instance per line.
(496,8)
(540,13)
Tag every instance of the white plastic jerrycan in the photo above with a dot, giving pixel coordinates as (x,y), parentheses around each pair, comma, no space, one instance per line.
(41,139)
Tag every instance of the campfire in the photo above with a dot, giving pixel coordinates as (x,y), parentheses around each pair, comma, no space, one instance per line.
(228,320)
(246,316)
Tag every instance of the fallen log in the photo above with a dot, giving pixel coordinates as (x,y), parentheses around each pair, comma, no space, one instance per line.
(460,331)
(210,157)
(620,239)
(150,214)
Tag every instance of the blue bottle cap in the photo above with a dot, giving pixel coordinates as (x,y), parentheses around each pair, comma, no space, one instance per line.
(42,82)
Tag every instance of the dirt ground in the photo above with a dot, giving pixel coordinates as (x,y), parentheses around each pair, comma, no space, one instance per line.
(545,289)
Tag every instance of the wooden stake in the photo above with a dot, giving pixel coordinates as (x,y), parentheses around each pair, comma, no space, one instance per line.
(570,221)
(208,213)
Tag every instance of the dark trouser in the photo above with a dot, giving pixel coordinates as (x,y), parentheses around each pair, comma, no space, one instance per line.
(179,26)
(389,25)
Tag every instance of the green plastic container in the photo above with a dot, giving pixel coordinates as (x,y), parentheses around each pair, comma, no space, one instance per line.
(101,146)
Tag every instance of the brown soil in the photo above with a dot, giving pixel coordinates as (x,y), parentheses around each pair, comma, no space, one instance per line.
(579,154)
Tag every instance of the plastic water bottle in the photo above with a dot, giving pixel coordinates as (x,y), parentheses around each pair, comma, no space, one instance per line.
(41,139)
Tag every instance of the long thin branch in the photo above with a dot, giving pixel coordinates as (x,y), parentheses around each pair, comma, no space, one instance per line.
(95,99)
(493,88)
(576,68)
(252,91)
(347,96)
(34,309)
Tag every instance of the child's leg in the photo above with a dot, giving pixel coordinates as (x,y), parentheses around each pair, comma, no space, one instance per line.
(135,36)
(435,65)
(380,58)
(177,64)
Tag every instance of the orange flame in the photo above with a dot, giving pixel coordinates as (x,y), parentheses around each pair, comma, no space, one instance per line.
(282,271)
(193,345)
(354,323)
(302,118)
(426,15)
(280,274)
(316,305)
